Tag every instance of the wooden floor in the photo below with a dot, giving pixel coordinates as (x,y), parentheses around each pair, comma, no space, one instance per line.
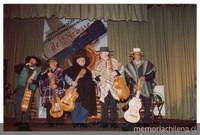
(157,125)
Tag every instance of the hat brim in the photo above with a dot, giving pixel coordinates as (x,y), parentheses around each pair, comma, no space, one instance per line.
(104,51)
(135,52)
(142,55)
(39,62)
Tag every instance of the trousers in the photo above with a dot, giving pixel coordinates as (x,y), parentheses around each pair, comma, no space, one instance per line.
(109,101)
(18,101)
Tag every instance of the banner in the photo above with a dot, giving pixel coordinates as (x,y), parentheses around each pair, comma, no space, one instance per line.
(63,38)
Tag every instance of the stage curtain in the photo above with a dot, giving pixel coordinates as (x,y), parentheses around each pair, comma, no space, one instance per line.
(168,40)
(115,12)
(22,37)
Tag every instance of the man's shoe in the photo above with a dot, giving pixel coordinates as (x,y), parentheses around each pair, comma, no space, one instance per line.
(146,125)
(85,125)
(23,127)
(50,125)
(138,124)
(75,125)
(104,125)
(59,125)
(17,124)
(114,126)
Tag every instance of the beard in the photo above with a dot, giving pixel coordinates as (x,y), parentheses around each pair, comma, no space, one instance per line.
(33,64)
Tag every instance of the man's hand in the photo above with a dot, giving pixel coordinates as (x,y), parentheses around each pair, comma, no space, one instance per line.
(29,80)
(137,87)
(142,78)
(74,84)
(102,79)
(54,86)
(50,74)
(28,64)
(114,74)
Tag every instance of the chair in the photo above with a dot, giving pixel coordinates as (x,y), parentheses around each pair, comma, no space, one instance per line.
(96,118)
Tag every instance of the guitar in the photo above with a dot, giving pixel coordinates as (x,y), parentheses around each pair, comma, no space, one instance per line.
(123,90)
(68,101)
(132,114)
(55,110)
(27,95)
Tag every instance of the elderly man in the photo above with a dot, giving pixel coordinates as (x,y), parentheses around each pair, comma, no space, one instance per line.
(50,91)
(105,78)
(80,77)
(137,72)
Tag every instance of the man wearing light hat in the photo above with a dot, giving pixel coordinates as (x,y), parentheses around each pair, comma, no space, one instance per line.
(105,77)
(139,70)
(46,90)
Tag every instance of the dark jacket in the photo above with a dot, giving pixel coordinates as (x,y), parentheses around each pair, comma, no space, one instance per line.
(85,87)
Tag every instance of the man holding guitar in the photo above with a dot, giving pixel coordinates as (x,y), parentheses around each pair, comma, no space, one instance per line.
(136,71)
(79,80)
(52,89)
(104,73)
(28,80)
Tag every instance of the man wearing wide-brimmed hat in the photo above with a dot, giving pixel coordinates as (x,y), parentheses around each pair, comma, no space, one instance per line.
(104,73)
(85,103)
(137,72)
(54,72)
(28,74)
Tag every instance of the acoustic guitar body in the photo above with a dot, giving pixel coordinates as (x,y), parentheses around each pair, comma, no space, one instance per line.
(55,110)
(26,100)
(68,101)
(122,89)
(132,114)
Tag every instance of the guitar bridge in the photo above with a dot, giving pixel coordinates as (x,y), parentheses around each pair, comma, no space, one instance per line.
(56,111)
(65,103)
(134,116)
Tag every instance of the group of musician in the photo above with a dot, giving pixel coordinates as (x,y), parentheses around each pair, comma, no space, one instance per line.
(74,89)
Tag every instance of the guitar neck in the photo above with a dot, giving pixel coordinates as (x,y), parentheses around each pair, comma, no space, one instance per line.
(138,94)
(72,87)
(54,96)
(140,83)
(31,77)
(53,83)
(81,73)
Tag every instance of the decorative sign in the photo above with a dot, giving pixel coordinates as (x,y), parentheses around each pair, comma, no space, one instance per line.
(159,96)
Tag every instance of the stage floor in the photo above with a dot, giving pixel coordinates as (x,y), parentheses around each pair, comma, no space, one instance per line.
(158,125)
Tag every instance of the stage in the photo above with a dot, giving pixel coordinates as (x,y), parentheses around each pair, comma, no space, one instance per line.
(158,125)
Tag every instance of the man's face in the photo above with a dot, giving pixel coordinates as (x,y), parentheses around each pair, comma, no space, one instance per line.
(52,65)
(33,62)
(81,61)
(137,56)
(103,55)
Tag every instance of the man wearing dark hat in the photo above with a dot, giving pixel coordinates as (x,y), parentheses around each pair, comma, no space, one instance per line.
(47,89)
(28,74)
(85,104)
(105,78)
